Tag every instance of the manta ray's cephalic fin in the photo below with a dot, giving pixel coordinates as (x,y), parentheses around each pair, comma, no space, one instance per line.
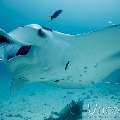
(5,39)
(16,84)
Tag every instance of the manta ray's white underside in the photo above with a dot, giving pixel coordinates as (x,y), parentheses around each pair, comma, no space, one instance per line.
(63,60)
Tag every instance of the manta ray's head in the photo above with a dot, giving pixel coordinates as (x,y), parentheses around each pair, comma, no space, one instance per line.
(23,39)
(33,34)
(34,45)
(30,44)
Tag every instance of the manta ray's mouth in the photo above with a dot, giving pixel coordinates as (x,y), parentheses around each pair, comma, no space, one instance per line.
(24,50)
(21,51)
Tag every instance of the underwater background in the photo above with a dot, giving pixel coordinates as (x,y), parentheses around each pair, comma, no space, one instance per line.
(37,101)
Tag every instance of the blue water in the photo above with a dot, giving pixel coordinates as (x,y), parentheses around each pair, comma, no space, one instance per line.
(36,101)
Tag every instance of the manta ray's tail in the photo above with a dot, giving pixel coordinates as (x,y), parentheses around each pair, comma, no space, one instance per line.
(5,40)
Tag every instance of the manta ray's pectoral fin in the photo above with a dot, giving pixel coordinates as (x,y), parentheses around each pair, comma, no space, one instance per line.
(16,84)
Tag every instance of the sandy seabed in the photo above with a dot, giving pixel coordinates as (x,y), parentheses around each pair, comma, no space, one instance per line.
(38,101)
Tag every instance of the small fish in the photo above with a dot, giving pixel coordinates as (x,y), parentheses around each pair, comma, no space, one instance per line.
(67,65)
(56,14)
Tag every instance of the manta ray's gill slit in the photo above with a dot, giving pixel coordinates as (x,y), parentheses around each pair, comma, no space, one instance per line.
(23,50)
(85,67)
(42,78)
(85,71)
(80,80)
(59,80)
(95,65)
(56,80)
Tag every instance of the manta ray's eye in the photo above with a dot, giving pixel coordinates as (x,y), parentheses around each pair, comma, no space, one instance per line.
(41,33)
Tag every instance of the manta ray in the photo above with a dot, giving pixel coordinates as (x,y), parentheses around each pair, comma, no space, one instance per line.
(34,53)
